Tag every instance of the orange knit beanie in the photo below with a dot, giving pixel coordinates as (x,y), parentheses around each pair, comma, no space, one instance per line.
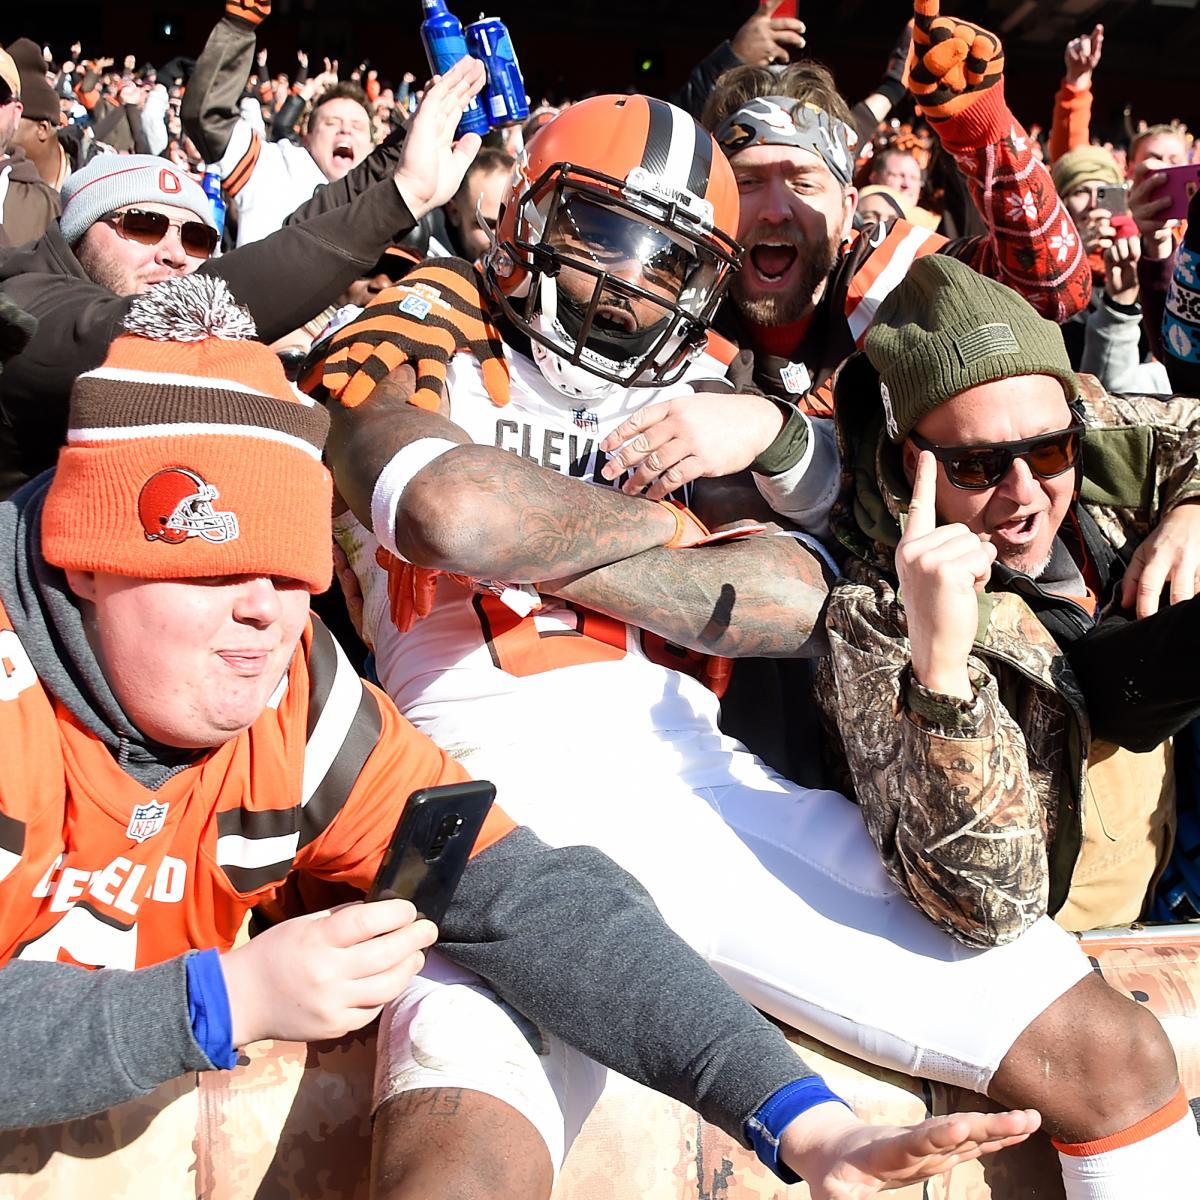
(189,454)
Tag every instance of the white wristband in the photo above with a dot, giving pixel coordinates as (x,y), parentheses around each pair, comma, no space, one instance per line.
(394,478)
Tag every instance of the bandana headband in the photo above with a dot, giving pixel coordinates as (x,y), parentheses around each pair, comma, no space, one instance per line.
(783,121)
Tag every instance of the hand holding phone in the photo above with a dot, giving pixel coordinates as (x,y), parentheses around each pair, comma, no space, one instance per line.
(431,844)
(771,34)
(1180,184)
(1113,196)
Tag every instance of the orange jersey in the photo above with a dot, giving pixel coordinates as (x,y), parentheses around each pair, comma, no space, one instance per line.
(97,870)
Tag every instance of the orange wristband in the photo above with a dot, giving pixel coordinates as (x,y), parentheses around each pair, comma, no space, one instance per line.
(680,524)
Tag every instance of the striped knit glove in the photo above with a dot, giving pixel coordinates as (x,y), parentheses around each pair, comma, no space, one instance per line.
(950,63)
(438,310)
(253,12)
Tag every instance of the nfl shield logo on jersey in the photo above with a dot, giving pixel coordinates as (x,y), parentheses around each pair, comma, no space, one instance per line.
(146,821)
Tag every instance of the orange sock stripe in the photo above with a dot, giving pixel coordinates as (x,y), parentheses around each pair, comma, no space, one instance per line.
(1174,1110)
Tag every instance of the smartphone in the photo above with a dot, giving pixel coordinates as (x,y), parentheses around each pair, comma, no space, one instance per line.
(1180,184)
(430,847)
(1113,196)
(784,8)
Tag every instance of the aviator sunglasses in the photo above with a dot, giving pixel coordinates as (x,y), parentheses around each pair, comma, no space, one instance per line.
(149,228)
(975,468)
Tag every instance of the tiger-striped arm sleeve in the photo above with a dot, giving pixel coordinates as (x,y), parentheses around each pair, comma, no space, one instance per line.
(438,311)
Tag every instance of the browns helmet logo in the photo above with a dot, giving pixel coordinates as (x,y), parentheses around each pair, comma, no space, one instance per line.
(176,504)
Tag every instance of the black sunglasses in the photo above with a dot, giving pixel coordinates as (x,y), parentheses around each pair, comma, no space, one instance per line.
(149,228)
(975,468)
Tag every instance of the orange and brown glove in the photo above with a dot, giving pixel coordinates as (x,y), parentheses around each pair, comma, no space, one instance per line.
(410,589)
(951,62)
(253,12)
(438,310)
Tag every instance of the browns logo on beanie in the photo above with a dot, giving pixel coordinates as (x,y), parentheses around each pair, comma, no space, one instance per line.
(189,454)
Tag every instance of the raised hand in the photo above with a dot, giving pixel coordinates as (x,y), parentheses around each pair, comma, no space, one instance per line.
(843,1158)
(253,12)
(1120,269)
(764,39)
(1083,57)
(432,164)
(1148,205)
(322,975)
(941,568)
(951,61)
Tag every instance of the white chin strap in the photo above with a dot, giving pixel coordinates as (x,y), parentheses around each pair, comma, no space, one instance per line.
(549,298)
(573,381)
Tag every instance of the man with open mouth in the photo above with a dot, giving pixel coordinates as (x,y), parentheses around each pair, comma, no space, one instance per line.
(1022,573)
(811,282)
(266,180)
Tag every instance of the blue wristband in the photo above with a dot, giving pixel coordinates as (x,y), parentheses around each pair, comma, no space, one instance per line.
(778,1111)
(208,1008)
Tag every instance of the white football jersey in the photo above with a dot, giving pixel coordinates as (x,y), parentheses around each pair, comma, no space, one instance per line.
(474,672)
(265,181)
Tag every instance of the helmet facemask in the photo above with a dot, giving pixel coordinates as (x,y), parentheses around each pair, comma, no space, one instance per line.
(623,281)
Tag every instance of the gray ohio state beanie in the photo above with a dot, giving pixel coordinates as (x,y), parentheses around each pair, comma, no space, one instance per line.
(112,181)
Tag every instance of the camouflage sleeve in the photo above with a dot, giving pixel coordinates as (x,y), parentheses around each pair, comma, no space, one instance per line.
(944,786)
(1141,459)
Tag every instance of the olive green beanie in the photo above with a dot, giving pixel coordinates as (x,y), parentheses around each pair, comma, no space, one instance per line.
(1087,164)
(946,328)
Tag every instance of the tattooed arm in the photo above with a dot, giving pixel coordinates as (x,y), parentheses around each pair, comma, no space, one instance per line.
(761,597)
(478,510)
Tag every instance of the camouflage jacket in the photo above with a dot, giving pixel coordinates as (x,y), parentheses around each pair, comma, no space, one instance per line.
(976,807)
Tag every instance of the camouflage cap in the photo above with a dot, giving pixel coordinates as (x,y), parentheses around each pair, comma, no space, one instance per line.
(945,329)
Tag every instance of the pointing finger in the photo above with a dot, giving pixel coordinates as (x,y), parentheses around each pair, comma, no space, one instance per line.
(922,513)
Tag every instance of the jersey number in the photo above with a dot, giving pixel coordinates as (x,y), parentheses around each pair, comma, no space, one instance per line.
(519,647)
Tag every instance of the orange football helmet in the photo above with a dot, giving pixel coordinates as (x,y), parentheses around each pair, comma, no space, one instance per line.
(615,243)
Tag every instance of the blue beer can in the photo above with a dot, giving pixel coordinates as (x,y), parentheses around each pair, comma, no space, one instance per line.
(505,99)
(442,37)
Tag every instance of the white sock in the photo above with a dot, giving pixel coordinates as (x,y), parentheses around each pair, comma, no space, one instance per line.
(1156,1159)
